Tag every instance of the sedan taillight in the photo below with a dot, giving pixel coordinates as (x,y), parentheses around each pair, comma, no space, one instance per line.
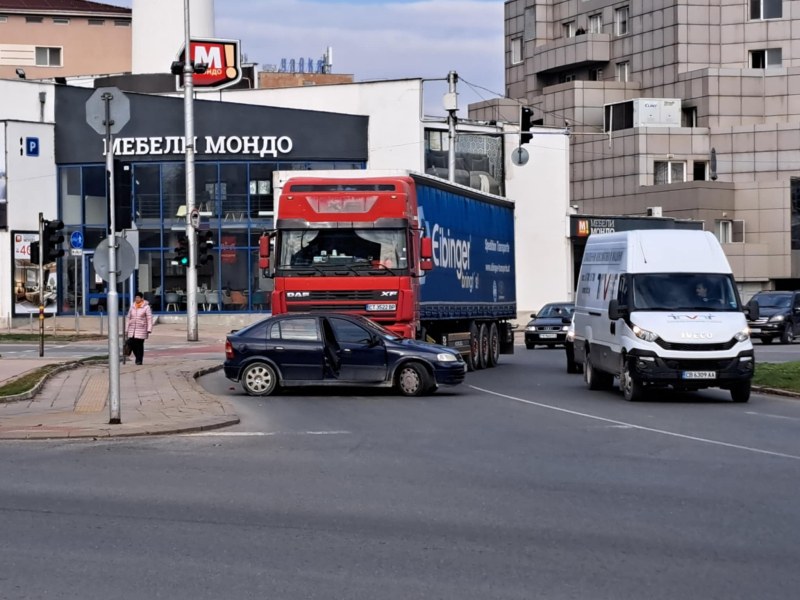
(228,350)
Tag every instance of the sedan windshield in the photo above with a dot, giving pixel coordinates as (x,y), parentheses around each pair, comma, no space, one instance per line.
(355,249)
(683,291)
(556,311)
(773,300)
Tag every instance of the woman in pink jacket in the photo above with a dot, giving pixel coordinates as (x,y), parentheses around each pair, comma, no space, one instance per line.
(140,325)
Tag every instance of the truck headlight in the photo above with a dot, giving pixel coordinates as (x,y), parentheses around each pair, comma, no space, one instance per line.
(643,334)
(743,335)
(776,318)
(446,357)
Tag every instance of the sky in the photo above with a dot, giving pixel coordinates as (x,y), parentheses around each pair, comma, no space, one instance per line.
(376,39)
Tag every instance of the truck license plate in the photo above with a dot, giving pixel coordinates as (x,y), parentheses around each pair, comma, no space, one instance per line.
(699,375)
(372,307)
(548,336)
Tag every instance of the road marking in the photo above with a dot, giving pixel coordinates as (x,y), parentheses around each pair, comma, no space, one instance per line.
(769,416)
(261,433)
(639,427)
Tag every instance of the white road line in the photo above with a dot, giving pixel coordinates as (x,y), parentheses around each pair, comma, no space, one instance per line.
(758,414)
(260,433)
(639,427)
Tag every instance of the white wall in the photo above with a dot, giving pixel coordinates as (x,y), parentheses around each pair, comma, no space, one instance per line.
(158,31)
(395,132)
(540,190)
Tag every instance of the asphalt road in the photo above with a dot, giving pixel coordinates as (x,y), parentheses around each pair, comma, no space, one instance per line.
(519,484)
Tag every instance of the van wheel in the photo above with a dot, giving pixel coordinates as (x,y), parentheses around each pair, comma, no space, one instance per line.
(483,343)
(741,392)
(494,345)
(595,379)
(787,337)
(632,390)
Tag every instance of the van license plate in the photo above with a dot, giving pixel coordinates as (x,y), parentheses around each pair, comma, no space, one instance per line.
(699,375)
(548,336)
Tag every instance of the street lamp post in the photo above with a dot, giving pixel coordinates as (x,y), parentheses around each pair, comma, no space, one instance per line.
(188,108)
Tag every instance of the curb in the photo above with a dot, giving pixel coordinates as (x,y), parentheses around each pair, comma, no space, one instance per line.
(38,385)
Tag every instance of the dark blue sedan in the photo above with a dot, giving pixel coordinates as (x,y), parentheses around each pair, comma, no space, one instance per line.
(335,349)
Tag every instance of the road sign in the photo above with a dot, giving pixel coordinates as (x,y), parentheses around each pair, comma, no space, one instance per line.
(76,240)
(31,146)
(119,109)
(76,252)
(126,259)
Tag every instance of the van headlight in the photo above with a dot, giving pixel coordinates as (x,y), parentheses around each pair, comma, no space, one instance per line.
(743,335)
(643,334)
(776,318)
(446,357)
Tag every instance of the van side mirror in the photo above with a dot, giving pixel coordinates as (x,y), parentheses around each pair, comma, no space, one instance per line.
(751,310)
(617,311)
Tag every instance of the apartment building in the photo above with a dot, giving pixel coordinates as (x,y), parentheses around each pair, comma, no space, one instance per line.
(42,39)
(676,108)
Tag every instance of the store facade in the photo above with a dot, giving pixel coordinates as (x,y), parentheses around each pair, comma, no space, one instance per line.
(237,149)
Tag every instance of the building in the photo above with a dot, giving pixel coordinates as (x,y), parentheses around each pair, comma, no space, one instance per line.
(41,39)
(677,108)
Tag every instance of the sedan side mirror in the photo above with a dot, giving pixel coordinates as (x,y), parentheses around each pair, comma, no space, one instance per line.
(566,320)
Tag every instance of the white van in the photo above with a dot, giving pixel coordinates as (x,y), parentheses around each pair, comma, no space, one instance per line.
(660,307)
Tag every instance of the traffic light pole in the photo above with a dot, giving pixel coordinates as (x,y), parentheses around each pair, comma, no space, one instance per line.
(42,250)
(191,226)
(113,296)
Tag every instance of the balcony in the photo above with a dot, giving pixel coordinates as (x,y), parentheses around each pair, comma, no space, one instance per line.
(570,53)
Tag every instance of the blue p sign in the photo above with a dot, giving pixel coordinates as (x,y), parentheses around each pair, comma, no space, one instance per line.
(31,146)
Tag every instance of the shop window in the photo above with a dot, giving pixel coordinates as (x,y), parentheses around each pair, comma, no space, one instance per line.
(766,9)
(669,171)
(516,51)
(621,21)
(48,57)
(95,204)
(262,202)
(71,199)
(147,192)
(771,58)
(596,23)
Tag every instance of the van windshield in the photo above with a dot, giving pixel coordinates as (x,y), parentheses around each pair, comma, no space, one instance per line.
(683,291)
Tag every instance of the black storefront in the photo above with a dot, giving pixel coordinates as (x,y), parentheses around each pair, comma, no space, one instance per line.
(238,147)
(582,226)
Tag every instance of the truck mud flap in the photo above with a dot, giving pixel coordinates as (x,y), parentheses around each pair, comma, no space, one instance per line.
(460,343)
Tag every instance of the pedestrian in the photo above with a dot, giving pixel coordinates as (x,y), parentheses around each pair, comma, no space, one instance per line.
(140,325)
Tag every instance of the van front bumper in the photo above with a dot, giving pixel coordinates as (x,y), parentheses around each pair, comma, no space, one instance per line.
(648,367)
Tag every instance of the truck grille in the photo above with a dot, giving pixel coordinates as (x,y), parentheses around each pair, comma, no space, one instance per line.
(345,295)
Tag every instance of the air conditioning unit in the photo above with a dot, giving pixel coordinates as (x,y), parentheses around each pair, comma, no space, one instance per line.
(654,211)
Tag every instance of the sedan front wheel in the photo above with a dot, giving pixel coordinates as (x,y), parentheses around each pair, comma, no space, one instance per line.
(259,379)
(413,379)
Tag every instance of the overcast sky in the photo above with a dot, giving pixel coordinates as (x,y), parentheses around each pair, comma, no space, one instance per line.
(376,39)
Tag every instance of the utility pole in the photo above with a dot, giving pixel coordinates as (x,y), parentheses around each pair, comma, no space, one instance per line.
(451,106)
(191,212)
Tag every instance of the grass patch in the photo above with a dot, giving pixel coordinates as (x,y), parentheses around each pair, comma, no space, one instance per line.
(49,337)
(26,382)
(784,376)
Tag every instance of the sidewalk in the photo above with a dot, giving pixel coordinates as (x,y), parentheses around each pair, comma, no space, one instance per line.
(159,397)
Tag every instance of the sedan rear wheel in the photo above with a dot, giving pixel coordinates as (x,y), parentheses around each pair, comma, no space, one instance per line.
(259,379)
(413,379)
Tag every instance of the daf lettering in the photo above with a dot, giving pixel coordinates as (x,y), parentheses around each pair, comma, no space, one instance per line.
(298,294)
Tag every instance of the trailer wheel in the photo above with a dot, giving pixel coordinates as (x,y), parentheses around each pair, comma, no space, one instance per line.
(483,338)
(494,345)
(474,358)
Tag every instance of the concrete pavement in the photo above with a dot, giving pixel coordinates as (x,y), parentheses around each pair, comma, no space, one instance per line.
(158,397)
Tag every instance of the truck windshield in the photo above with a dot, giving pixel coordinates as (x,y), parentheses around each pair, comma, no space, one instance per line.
(683,291)
(354,249)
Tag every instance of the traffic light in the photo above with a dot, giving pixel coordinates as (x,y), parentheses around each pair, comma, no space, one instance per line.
(205,243)
(182,252)
(52,238)
(525,123)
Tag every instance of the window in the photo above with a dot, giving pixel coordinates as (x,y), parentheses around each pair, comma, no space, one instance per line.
(766,9)
(595,23)
(621,21)
(622,71)
(97,21)
(566,77)
(669,171)
(730,231)
(700,170)
(516,51)
(304,329)
(569,29)
(689,116)
(3,18)
(60,20)
(530,23)
(595,74)
(121,23)
(34,19)
(48,57)
(766,59)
